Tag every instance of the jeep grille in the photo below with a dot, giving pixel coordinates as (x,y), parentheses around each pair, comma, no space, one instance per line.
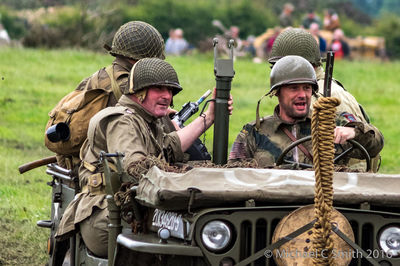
(253,229)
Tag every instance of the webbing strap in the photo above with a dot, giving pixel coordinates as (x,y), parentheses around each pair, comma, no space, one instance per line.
(301,147)
(93,168)
(258,120)
(114,86)
(95,120)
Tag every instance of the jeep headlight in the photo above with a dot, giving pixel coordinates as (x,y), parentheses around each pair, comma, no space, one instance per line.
(389,241)
(216,235)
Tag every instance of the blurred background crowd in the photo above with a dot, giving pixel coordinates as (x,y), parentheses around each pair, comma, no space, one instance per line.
(352,28)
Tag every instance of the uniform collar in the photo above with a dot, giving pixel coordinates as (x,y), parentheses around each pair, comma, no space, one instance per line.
(125,64)
(277,121)
(127,102)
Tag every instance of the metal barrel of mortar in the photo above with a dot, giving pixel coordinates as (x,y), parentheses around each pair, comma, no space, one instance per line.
(223,70)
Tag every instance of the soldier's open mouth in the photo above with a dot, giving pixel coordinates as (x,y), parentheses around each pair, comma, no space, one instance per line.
(300,104)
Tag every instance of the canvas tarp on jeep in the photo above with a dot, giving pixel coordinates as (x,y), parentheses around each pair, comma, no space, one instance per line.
(216,187)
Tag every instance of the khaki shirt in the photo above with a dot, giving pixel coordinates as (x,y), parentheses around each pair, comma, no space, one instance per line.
(266,144)
(348,103)
(126,128)
(129,129)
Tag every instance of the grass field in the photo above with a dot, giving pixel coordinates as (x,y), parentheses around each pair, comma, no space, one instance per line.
(33,81)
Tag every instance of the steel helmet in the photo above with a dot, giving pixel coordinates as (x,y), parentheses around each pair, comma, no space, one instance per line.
(137,40)
(149,72)
(292,69)
(295,41)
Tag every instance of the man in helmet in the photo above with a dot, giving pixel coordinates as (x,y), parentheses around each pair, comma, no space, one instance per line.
(295,41)
(133,127)
(293,81)
(132,41)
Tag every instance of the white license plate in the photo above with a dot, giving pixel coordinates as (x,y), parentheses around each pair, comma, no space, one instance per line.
(171,220)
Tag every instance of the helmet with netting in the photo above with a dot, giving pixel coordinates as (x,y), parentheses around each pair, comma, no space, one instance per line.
(150,72)
(137,40)
(292,69)
(295,41)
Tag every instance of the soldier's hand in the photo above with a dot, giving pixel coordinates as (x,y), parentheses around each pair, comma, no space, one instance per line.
(171,112)
(342,134)
(188,134)
(210,111)
(230,104)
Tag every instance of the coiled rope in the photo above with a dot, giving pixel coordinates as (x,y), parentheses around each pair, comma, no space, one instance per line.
(322,128)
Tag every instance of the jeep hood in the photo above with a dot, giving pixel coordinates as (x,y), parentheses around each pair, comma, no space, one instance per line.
(225,187)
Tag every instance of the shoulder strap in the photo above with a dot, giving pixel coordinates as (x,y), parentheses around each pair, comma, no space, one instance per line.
(301,147)
(92,81)
(114,86)
(339,83)
(100,116)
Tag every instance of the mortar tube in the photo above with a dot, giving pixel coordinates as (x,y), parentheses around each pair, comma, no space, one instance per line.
(221,121)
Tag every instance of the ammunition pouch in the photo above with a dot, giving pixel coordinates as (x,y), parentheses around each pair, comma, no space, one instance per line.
(96,184)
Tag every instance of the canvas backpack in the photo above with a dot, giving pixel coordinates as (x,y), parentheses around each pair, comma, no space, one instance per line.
(76,109)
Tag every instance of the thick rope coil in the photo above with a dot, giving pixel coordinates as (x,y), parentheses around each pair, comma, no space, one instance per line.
(322,128)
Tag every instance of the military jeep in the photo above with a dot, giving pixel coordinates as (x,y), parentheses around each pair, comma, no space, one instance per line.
(231,216)
(235,216)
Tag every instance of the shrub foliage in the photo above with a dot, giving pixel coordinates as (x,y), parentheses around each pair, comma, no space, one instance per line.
(90,24)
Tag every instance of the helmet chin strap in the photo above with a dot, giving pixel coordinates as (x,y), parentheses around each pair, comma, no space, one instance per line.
(141,95)
(258,120)
(271,93)
(131,79)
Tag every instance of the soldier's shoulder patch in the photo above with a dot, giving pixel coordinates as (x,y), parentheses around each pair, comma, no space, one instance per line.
(247,128)
(349,117)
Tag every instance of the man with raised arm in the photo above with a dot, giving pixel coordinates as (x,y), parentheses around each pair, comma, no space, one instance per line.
(134,128)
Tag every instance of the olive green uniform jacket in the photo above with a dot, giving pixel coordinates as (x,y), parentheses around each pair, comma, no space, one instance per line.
(126,128)
(266,144)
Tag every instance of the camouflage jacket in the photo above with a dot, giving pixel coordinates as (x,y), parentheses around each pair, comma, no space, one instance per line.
(266,144)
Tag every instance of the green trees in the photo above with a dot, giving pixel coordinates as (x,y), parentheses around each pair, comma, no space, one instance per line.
(91,23)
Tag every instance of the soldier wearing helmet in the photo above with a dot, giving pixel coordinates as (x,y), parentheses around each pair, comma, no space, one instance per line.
(132,41)
(293,81)
(136,40)
(133,127)
(295,41)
